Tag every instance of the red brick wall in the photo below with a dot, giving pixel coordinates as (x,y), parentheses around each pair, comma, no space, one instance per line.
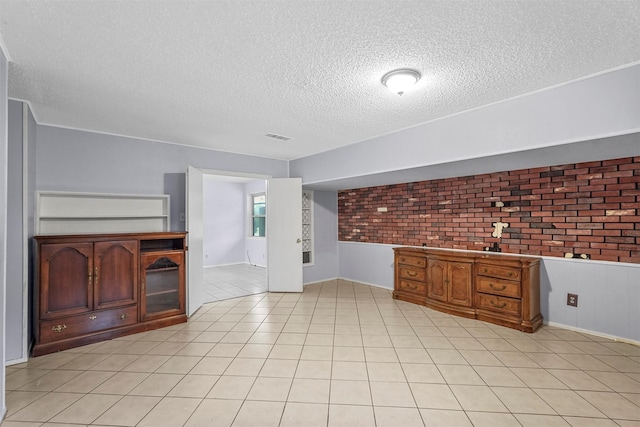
(585,208)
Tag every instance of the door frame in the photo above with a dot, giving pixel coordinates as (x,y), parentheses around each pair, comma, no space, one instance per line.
(226,174)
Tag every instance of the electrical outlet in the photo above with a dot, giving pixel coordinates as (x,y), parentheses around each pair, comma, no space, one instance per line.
(572,300)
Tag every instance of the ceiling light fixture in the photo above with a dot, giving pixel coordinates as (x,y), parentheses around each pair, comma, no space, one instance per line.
(399,81)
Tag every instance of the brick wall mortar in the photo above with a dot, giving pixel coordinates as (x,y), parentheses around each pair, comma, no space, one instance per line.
(585,208)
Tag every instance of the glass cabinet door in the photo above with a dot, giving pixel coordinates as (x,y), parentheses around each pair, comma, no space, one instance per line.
(162,284)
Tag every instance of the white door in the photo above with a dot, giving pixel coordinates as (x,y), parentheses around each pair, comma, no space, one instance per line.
(194,225)
(284,235)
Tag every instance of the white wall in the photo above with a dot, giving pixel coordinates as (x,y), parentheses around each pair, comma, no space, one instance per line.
(224,221)
(227,230)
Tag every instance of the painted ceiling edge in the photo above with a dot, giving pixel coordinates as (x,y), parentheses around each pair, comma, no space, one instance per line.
(600,73)
(5,50)
(524,95)
(157,141)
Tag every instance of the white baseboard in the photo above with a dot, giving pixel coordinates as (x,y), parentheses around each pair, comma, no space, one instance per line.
(234,263)
(590,332)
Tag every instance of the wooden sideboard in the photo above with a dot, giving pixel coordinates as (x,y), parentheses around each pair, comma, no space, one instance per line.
(94,287)
(496,288)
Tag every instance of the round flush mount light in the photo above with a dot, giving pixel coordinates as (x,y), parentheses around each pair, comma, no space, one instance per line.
(399,81)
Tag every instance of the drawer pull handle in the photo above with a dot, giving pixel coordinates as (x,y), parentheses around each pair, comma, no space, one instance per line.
(496,305)
(501,288)
(123,316)
(412,287)
(510,274)
(93,317)
(412,273)
(402,259)
(59,328)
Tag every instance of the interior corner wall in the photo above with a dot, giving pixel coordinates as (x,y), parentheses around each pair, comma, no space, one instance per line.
(4,72)
(224,222)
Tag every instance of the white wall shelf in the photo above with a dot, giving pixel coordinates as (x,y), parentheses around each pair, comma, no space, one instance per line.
(80,213)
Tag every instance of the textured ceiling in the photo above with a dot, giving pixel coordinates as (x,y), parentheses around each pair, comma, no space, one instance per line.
(222,74)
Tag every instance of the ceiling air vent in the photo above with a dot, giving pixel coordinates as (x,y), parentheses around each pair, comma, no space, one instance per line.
(279,137)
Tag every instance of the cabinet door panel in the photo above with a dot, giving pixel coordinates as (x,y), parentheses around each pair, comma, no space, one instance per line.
(65,279)
(460,292)
(162,284)
(116,273)
(437,282)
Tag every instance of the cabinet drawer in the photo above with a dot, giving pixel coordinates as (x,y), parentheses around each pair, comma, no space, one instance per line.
(73,326)
(498,304)
(411,287)
(500,272)
(412,260)
(498,287)
(418,274)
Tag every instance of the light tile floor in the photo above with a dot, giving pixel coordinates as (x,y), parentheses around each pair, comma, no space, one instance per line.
(339,354)
(232,281)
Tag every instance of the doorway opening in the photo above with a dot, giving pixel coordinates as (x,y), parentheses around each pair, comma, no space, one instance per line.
(283,252)
(234,240)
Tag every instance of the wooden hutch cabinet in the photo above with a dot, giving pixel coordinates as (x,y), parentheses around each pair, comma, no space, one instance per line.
(496,288)
(100,286)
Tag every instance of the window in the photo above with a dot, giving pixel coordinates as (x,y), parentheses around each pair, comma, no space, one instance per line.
(307,227)
(258,214)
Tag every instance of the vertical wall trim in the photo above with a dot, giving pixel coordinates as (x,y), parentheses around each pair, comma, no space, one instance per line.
(4,144)
(25,233)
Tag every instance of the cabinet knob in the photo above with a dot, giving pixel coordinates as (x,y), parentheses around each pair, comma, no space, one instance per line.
(93,317)
(59,328)
(123,316)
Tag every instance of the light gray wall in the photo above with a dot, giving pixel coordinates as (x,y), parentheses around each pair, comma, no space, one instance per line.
(3,223)
(224,222)
(20,302)
(15,312)
(325,238)
(608,293)
(608,296)
(72,160)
